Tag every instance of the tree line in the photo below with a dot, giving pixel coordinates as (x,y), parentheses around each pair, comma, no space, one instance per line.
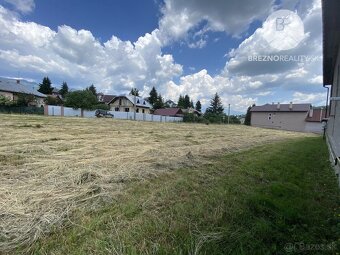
(87,99)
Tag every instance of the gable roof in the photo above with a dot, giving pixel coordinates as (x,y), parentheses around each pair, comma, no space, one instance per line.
(317,116)
(14,87)
(141,102)
(169,111)
(106,98)
(283,108)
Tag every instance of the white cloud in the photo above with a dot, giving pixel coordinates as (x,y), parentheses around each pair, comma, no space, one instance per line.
(233,17)
(78,57)
(315,98)
(23,6)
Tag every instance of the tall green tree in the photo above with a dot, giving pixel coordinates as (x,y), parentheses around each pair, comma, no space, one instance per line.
(198,106)
(45,87)
(64,89)
(247,119)
(134,92)
(216,106)
(153,96)
(180,102)
(84,99)
(186,102)
(93,89)
(159,103)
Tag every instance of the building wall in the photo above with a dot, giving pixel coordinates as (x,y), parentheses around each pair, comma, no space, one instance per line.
(124,104)
(333,125)
(293,121)
(9,95)
(314,127)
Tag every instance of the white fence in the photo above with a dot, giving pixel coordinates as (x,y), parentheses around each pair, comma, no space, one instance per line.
(52,110)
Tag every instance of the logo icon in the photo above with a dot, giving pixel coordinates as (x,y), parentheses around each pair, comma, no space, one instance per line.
(283,30)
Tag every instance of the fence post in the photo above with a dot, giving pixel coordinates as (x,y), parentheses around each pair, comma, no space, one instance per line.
(62,111)
(45,109)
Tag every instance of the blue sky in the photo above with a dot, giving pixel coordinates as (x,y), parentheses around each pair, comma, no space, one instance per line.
(190,47)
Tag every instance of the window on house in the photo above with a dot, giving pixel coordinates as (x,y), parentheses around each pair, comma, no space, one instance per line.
(127,109)
(138,101)
(144,102)
(143,111)
(117,109)
(137,110)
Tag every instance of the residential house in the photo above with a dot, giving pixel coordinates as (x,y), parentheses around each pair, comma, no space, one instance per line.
(193,111)
(13,88)
(171,104)
(106,99)
(281,116)
(331,75)
(129,103)
(172,112)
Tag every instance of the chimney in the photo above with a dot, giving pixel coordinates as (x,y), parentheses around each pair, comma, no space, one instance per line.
(291,106)
(311,113)
(278,105)
(18,81)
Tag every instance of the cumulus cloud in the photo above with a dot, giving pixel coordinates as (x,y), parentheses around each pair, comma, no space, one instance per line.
(233,17)
(77,56)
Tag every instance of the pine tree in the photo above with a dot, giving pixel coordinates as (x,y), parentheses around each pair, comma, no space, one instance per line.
(192,104)
(64,89)
(216,105)
(45,87)
(134,92)
(186,102)
(153,96)
(180,102)
(247,119)
(198,106)
(93,89)
(159,103)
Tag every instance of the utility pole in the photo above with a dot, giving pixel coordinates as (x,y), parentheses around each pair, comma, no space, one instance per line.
(228,113)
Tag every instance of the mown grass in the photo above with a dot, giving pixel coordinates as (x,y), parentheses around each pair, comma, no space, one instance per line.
(252,202)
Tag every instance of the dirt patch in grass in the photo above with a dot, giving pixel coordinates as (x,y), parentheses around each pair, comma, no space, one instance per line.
(43,190)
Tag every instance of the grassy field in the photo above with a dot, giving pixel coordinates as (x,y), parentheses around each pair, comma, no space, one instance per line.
(273,199)
(52,167)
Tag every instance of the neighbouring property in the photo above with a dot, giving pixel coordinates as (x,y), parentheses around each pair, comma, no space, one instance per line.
(106,99)
(129,103)
(13,89)
(331,75)
(173,112)
(292,117)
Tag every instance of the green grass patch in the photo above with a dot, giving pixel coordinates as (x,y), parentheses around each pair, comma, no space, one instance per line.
(275,199)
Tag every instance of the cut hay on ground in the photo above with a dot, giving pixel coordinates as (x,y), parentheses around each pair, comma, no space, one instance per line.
(51,166)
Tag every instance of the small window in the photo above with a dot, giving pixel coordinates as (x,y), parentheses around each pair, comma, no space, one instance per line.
(144,103)
(143,111)
(117,109)
(138,101)
(127,109)
(137,110)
